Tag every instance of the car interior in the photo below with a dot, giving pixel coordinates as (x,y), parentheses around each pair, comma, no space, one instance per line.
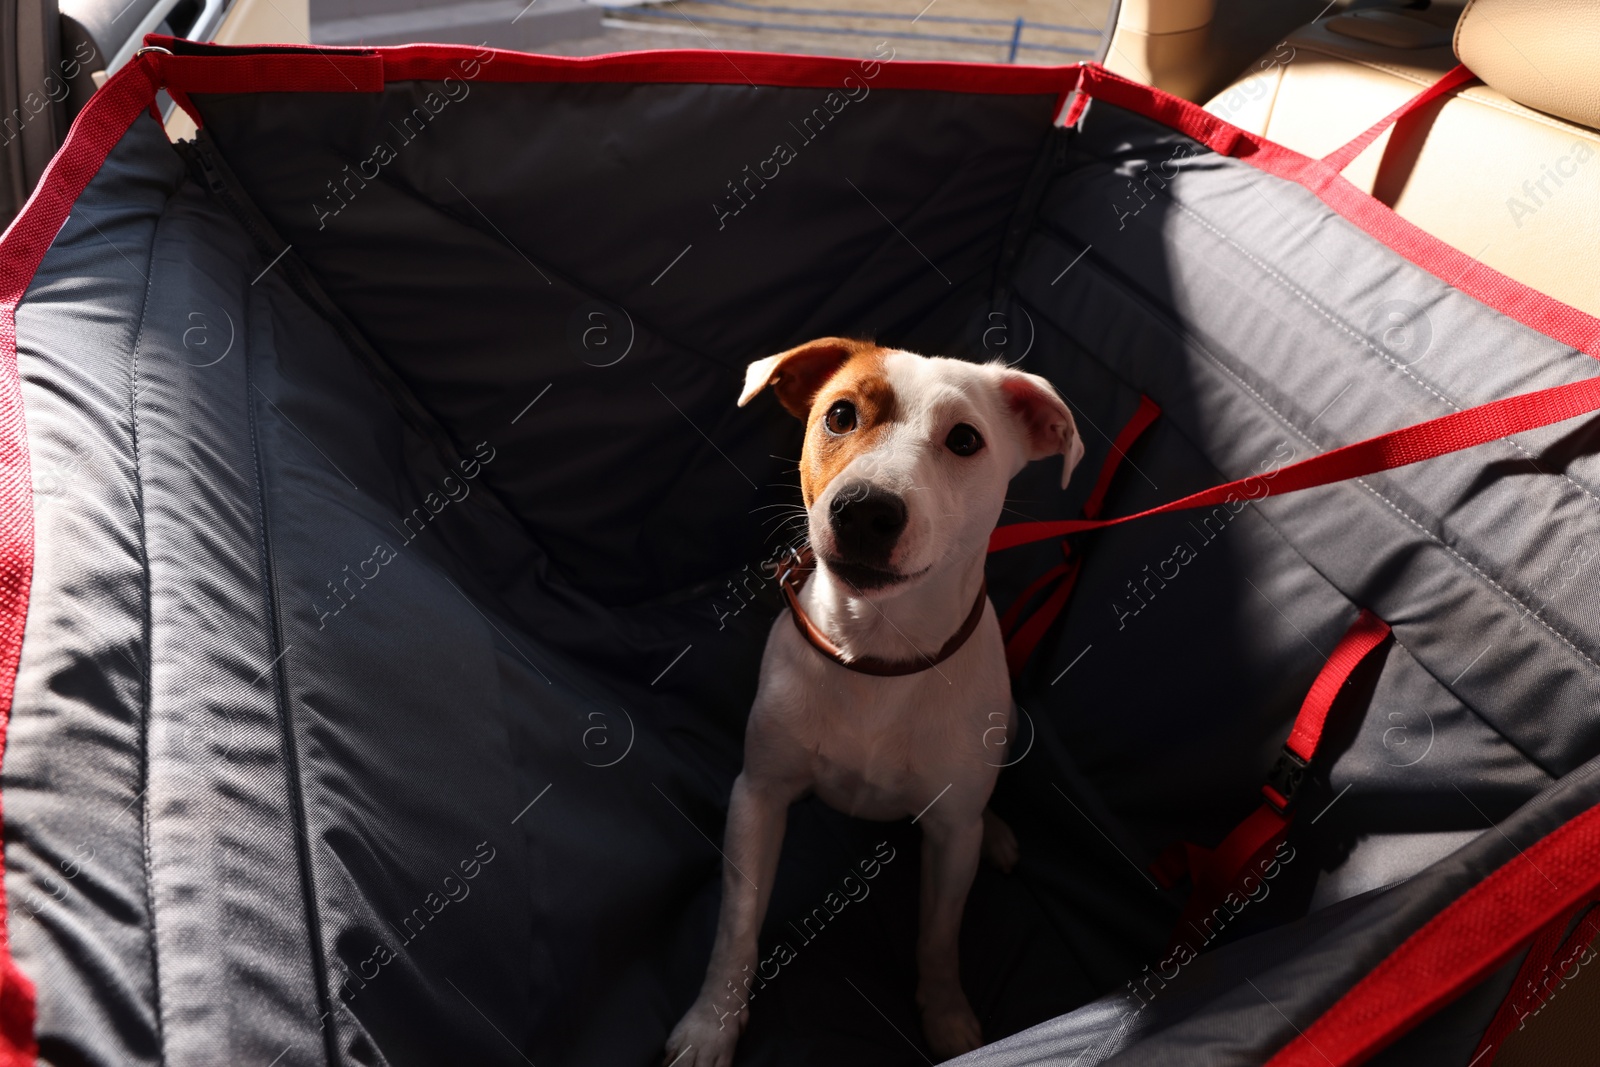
(1306,74)
(1331,76)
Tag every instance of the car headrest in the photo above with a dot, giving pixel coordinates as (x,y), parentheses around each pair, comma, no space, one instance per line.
(1540,53)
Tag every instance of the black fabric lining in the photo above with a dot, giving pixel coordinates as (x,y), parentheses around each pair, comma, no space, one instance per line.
(554,275)
(291,756)
(897,235)
(232,194)
(1157,312)
(1438,679)
(145,637)
(1104,819)
(222,182)
(1476,711)
(1366,343)
(1026,219)
(1136,294)
(210,166)
(1322,309)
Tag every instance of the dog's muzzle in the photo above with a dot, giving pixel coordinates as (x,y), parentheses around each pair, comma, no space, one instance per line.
(866,522)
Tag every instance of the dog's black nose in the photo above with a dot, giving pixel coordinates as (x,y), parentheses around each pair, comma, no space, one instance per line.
(866,521)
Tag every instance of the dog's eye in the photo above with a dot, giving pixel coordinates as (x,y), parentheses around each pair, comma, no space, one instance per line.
(964,440)
(841,418)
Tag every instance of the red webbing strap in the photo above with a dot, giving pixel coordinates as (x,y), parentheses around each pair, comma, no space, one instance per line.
(1364,635)
(1021,643)
(1458,948)
(1035,587)
(1216,874)
(1146,413)
(1397,448)
(1226,870)
(1543,971)
(1340,158)
(308,72)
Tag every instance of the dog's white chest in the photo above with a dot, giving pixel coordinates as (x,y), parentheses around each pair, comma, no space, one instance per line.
(872,758)
(884,748)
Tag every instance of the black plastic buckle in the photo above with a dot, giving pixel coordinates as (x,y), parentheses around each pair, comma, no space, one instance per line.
(1284,780)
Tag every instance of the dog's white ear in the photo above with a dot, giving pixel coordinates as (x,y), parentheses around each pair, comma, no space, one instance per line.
(1048,428)
(797,375)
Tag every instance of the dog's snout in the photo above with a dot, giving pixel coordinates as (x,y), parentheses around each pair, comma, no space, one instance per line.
(867,522)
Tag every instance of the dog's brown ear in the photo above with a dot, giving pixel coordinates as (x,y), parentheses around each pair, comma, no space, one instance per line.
(797,374)
(1046,421)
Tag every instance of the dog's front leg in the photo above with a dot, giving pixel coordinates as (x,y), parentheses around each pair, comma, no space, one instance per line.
(709,1030)
(950,847)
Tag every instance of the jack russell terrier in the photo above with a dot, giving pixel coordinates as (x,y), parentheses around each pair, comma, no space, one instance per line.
(881,692)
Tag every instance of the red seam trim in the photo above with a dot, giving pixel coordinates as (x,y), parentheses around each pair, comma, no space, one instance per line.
(247,70)
(97,129)
(1531,988)
(1457,948)
(270,72)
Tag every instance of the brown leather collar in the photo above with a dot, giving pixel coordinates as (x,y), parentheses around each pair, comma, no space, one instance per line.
(790,570)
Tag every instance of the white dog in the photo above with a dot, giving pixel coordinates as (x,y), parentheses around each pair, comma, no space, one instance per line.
(882,691)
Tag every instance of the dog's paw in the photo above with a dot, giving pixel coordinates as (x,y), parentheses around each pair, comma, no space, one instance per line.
(1000,848)
(702,1039)
(950,1027)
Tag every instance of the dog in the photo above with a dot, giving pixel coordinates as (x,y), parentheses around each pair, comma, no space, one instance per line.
(881,691)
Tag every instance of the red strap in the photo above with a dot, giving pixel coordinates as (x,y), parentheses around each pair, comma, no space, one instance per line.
(300,72)
(1543,971)
(1227,869)
(1458,948)
(1397,448)
(1340,158)
(1021,643)
(1224,872)
(1364,635)
(1037,586)
(1146,413)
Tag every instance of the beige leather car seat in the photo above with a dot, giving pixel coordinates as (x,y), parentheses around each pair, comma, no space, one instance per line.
(1507,171)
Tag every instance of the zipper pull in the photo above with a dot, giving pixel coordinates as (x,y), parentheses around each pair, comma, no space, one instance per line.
(208,167)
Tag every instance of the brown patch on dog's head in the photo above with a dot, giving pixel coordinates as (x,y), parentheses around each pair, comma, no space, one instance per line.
(863,384)
(810,380)
(797,374)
